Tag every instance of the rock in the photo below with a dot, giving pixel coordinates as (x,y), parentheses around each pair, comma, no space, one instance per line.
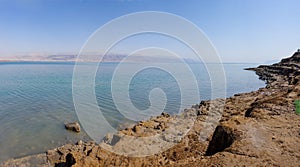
(112,139)
(287,70)
(137,129)
(33,160)
(222,138)
(79,142)
(165,114)
(70,160)
(73,126)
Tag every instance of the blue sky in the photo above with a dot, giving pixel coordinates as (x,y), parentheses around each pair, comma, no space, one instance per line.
(241,30)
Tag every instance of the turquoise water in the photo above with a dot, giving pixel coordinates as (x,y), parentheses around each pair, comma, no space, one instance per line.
(36,100)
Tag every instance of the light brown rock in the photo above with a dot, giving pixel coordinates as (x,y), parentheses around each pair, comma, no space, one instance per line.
(73,126)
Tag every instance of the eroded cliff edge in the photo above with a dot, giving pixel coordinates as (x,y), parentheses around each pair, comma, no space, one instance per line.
(256,128)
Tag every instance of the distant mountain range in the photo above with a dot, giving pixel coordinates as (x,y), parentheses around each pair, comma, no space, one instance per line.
(95,58)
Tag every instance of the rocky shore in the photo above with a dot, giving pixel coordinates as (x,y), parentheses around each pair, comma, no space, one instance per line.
(258,128)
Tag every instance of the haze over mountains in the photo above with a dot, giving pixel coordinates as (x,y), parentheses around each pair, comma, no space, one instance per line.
(95,58)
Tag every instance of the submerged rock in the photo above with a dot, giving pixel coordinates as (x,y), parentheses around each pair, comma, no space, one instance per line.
(40,160)
(73,126)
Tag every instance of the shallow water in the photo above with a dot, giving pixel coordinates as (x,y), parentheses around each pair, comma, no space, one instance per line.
(36,99)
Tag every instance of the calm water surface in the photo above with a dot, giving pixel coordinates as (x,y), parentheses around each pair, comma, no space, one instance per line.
(36,100)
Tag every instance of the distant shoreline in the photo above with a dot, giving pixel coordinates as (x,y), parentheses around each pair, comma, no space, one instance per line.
(66,61)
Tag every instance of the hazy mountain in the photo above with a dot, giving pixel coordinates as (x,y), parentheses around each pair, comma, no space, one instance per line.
(95,58)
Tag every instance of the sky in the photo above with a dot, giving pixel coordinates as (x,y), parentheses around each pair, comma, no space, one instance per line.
(257,31)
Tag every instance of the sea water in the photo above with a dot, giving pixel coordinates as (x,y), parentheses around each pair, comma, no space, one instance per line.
(36,99)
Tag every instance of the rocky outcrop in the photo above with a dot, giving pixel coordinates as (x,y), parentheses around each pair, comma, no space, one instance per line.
(287,70)
(258,128)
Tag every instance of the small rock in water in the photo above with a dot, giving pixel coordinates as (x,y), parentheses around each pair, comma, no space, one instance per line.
(74,126)
(165,114)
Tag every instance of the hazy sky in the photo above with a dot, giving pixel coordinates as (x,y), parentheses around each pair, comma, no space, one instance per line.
(241,30)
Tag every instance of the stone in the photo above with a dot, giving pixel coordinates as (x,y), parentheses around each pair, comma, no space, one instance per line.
(79,142)
(73,126)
